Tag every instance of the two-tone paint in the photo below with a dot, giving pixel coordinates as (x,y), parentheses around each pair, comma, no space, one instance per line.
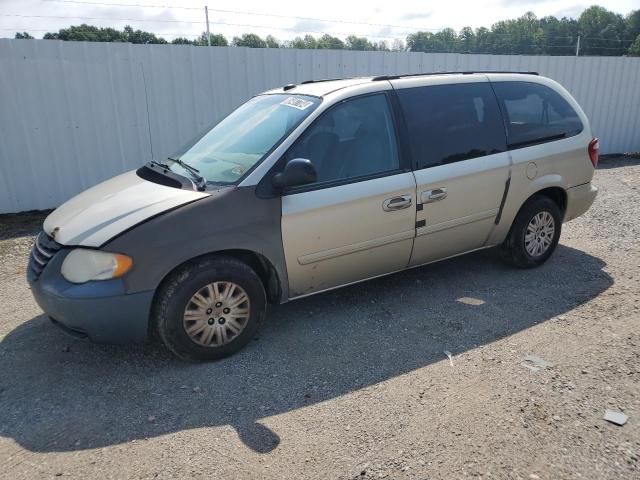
(305,242)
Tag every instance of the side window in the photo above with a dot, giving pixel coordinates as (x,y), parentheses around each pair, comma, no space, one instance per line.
(450,123)
(352,139)
(535,113)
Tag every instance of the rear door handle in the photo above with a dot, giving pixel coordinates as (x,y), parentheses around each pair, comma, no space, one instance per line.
(397,203)
(434,195)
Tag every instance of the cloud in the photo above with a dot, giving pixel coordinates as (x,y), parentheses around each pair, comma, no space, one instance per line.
(315,26)
(570,12)
(521,3)
(416,16)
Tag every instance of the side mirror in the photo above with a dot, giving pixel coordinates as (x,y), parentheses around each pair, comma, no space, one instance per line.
(298,171)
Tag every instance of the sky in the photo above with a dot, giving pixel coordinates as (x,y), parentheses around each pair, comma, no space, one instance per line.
(284,19)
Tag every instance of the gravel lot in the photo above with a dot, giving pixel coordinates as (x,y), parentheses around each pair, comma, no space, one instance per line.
(355,384)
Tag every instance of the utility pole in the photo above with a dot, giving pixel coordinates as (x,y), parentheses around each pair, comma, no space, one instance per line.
(206,14)
(577,44)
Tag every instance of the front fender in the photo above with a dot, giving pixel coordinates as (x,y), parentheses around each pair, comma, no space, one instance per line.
(234,220)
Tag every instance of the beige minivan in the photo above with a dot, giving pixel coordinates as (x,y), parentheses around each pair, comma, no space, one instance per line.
(310,187)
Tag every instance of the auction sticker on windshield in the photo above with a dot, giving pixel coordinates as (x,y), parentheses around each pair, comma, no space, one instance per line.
(298,103)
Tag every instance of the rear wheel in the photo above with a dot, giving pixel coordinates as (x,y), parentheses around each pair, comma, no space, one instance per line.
(534,234)
(210,308)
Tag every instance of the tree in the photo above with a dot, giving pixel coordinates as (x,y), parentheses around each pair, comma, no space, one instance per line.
(272,42)
(89,33)
(632,27)
(398,45)
(484,40)
(217,40)
(602,32)
(139,36)
(181,41)
(466,40)
(329,42)
(559,37)
(308,41)
(358,43)
(634,49)
(420,42)
(249,40)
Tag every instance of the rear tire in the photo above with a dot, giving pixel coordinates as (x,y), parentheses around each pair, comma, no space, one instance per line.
(534,234)
(210,308)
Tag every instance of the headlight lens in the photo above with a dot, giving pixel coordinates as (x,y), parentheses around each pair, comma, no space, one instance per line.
(82,265)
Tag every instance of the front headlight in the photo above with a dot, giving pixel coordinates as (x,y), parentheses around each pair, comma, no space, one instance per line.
(82,265)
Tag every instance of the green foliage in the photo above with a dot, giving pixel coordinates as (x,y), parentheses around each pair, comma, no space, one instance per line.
(272,42)
(635,47)
(89,33)
(602,32)
(217,40)
(249,40)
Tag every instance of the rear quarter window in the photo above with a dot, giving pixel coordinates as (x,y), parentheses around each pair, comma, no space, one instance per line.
(535,113)
(451,123)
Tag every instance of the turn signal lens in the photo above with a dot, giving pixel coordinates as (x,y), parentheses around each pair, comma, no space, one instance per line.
(123,265)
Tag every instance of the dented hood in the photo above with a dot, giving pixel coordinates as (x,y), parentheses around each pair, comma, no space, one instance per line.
(106,210)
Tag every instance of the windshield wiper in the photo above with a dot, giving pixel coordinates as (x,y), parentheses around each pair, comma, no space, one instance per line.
(201,182)
(160,164)
(185,165)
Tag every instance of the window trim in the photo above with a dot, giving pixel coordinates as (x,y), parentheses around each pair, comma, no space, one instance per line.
(414,162)
(265,189)
(535,141)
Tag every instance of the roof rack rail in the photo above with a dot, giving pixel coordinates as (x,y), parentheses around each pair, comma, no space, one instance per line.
(394,77)
(323,80)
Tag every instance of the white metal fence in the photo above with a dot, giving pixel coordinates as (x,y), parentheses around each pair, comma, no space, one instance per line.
(73,114)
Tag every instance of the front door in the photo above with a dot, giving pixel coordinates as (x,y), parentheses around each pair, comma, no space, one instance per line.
(358,220)
(458,146)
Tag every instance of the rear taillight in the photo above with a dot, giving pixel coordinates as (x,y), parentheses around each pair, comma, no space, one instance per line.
(594,151)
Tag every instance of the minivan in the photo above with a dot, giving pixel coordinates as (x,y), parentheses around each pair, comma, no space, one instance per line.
(310,187)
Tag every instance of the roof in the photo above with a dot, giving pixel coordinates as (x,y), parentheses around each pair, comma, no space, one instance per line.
(320,88)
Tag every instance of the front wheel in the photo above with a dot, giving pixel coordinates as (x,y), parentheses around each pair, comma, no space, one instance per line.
(209,309)
(534,234)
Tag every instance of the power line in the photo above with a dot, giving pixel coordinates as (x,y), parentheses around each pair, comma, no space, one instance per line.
(241,12)
(66,17)
(293,29)
(408,29)
(479,49)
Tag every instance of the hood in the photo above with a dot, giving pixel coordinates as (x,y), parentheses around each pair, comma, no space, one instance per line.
(102,212)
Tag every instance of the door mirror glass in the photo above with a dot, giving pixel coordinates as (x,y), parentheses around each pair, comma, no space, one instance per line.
(298,171)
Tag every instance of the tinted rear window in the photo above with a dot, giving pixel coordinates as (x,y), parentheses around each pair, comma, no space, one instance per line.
(535,113)
(450,123)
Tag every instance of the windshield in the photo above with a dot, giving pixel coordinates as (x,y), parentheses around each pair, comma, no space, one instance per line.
(227,151)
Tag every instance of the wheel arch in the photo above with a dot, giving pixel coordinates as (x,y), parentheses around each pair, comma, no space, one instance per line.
(260,264)
(552,186)
(556,193)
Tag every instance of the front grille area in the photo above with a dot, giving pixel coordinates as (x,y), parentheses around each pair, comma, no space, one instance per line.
(43,250)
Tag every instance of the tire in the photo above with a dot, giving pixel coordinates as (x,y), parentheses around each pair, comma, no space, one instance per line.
(515,249)
(193,298)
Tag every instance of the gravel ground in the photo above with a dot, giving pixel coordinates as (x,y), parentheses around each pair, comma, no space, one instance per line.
(355,384)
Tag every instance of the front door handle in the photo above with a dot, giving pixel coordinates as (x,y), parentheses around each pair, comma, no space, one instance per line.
(397,203)
(434,195)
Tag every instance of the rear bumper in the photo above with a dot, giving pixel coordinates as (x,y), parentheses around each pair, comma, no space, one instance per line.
(579,200)
(99,310)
